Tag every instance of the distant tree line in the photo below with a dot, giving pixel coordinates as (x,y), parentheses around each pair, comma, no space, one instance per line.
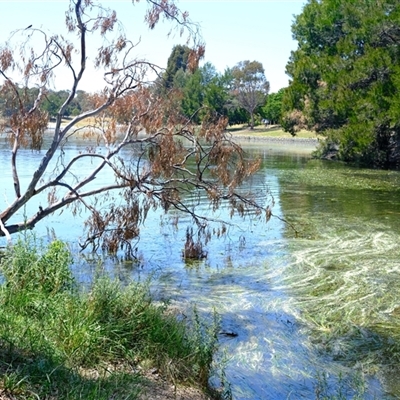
(241,94)
(52,102)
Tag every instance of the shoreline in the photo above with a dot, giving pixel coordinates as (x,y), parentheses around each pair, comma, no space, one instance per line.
(276,139)
(256,138)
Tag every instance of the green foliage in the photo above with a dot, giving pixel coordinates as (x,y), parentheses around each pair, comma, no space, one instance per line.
(193,96)
(237,115)
(345,78)
(272,110)
(204,92)
(216,90)
(58,342)
(54,100)
(51,103)
(178,60)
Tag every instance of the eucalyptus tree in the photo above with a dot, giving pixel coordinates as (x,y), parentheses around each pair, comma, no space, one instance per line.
(169,155)
(345,78)
(250,86)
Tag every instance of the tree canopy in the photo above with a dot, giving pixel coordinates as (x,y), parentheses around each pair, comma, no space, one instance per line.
(204,93)
(169,154)
(250,86)
(345,78)
(177,61)
(272,110)
(238,94)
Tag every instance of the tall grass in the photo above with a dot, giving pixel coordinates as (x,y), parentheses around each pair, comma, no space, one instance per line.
(60,342)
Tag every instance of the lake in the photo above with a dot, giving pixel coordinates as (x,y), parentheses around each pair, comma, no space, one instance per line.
(309,302)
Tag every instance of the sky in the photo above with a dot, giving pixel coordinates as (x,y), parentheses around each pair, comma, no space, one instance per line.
(233,31)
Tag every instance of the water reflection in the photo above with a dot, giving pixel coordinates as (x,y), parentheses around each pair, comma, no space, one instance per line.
(254,274)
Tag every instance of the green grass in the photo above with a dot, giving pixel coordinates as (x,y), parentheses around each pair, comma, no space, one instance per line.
(59,342)
(274,131)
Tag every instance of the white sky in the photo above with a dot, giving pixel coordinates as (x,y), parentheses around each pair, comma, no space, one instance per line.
(232,30)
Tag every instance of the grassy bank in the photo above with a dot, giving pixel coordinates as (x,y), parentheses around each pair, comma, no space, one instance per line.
(60,342)
(273,131)
(260,131)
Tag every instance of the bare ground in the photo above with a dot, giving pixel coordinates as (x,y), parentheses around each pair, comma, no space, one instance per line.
(157,388)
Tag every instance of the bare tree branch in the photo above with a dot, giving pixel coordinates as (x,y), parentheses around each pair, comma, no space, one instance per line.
(151,156)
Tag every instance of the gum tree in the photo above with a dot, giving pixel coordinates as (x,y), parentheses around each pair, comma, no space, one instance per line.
(169,157)
(250,86)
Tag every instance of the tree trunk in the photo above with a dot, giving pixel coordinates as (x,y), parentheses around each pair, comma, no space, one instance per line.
(251,121)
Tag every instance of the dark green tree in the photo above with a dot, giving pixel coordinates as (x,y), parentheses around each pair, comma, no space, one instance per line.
(203,91)
(216,90)
(215,98)
(53,102)
(235,113)
(250,86)
(193,96)
(178,60)
(346,78)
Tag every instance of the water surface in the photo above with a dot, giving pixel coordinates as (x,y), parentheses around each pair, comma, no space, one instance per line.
(296,298)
